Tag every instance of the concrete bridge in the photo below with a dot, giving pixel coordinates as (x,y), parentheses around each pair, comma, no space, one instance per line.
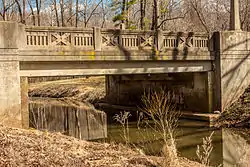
(215,66)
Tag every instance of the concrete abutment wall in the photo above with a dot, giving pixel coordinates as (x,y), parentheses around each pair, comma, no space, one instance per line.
(232,67)
(10,94)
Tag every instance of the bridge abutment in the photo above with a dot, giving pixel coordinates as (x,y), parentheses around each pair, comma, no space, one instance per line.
(232,67)
(10,96)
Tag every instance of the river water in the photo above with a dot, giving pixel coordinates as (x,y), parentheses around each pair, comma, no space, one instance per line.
(231,147)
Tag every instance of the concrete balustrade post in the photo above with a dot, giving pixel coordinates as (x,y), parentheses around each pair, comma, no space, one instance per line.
(97,39)
(235,15)
(10,96)
(160,40)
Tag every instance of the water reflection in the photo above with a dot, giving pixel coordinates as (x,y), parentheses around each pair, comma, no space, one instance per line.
(230,148)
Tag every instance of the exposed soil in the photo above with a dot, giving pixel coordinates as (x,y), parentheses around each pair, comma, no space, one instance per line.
(35,148)
(238,114)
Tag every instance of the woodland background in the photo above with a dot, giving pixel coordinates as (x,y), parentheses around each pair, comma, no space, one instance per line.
(169,15)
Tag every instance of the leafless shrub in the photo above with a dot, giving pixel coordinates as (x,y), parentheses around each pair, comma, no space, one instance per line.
(122,118)
(159,106)
(204,151)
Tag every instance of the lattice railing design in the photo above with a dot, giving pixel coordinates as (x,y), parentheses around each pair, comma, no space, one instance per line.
(109,39)
(186,40)
(127,39)
(46,36)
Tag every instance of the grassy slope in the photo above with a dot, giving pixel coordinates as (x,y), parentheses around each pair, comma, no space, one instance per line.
(91,89)
(34,148)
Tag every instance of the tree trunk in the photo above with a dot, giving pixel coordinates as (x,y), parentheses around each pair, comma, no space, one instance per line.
(142,14)
(56,12)
(77,7)
(38,6)
(71,12)
(4,10)
(155,15)
(24,11)
(62,12)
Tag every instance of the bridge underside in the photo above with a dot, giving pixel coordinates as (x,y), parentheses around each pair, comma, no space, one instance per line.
(67,68)
(188,91)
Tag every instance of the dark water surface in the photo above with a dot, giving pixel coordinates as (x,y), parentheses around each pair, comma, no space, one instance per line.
(231,147)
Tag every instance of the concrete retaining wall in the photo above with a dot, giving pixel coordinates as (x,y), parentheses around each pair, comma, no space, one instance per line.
(10,96)
(78,120)
(232,66)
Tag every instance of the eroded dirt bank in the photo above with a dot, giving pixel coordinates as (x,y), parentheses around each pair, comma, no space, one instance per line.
(20,147)
(238,114)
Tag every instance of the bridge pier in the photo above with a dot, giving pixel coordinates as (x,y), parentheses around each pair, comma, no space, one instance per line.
(10,96)
(25,102)
(232,71)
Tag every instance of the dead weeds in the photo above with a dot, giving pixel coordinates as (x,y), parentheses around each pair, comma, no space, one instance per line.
(20,147)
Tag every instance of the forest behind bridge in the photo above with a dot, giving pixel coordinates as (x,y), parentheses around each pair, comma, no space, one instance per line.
(168,15)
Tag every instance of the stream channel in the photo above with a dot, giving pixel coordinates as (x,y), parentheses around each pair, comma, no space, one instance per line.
(231,147)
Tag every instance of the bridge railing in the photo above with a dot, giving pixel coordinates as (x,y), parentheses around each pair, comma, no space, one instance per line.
(108,39)
(56,36)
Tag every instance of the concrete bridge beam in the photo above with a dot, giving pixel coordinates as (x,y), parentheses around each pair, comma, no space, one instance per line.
(10,96)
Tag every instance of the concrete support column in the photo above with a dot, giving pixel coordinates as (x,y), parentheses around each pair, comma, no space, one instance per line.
(24,102)
(10,96)
(199,82)
(97,39)
(235,15)
(113,88)
(203,90)
(160,40)
(200,96)
(210,91)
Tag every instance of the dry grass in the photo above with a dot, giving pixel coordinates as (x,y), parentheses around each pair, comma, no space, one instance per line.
(159,106)
(35,148)
(83,89)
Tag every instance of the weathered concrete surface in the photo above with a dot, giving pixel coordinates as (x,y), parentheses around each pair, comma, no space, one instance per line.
(66,68)
(197,98)
(235,149)
(24,102)
(188,90)
(72,118)
(232,72)
(10,97)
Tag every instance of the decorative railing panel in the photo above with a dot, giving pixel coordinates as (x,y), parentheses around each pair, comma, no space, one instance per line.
(186,40)
(113,39)
(54,36)
(133,40)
